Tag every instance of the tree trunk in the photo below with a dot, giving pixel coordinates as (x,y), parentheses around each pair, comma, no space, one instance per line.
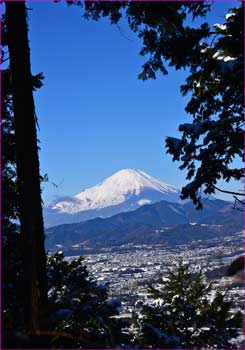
(28,177)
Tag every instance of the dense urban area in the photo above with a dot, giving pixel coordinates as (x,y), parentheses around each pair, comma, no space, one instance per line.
(129,269)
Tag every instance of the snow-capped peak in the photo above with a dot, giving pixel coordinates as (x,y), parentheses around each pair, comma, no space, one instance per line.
(124,185)
(128,180)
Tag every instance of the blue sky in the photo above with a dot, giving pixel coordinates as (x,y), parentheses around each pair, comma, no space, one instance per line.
(95,116)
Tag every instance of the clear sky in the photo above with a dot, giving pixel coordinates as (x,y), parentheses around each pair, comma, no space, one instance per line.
(95,116)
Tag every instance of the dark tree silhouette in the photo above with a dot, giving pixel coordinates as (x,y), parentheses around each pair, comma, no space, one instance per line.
(215,137)
(28,177)
(236,266)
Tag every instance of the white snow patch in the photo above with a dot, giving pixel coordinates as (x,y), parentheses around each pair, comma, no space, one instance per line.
(76,245)
(220,26)
(158,302)
(221,57)
(59,246)
(144,201)
(229,58)
(217,54)
(229,15)
(205,49)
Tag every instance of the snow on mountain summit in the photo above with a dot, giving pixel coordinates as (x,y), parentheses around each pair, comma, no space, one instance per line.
(128,185)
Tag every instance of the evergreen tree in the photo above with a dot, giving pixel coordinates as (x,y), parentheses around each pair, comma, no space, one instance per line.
(214,138)
(9,195)
(80,307)
(81,314)
(182,315)
(28,178)
(166,39)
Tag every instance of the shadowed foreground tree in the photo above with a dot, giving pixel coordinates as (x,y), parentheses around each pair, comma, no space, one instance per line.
(185,315)
(28,177)
(81,308)
(81,314)
(10,208)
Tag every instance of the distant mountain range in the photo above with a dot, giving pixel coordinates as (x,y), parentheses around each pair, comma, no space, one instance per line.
(159,223)
(124,191)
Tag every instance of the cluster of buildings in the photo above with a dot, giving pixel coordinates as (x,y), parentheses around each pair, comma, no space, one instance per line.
(129,269)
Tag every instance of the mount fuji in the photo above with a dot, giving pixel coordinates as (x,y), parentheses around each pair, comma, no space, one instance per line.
(126,190)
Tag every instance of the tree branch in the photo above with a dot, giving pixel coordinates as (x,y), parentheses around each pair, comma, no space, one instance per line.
(239,200)
(229,192)
(121,32)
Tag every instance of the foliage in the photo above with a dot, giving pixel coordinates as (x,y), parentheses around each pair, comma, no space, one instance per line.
(12,242)
(160,26)
(12,269)
(12,285)
(10,197)
(10,212)
(210,144)
(81,313)
(183,315)
(79,306)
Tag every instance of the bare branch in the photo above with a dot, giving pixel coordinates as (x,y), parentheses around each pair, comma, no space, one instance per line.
(239,200)
(4,60)
(121,32)
(229,192)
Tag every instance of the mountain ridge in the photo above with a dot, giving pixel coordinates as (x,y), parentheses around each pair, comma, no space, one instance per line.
(149,224)
(126,190)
